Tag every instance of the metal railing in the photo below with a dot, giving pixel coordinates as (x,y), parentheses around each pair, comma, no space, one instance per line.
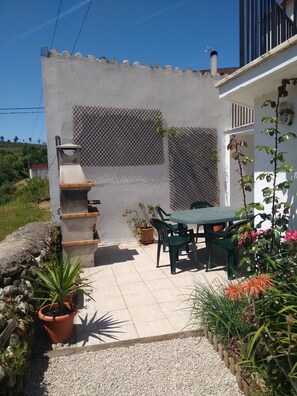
(264,24)
(241,116)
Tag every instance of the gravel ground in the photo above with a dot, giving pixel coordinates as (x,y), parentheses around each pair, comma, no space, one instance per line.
(179,367)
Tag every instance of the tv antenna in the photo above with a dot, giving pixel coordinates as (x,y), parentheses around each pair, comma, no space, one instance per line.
(208,49)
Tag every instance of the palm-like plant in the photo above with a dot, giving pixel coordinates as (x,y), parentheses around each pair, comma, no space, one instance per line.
(58,281)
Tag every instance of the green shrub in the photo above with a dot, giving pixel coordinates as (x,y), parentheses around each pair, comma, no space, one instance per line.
(34,190)
(211,308)
(7,192)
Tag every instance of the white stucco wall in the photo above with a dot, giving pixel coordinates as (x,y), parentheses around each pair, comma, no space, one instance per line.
(185,99)
(289,148)
(235,193)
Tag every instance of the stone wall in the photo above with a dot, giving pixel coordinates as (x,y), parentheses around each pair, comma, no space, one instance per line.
(20,253)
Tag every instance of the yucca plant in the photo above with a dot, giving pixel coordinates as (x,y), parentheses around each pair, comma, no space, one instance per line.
(58,280)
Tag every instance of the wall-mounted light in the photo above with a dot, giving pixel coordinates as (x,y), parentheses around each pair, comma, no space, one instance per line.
(286,113)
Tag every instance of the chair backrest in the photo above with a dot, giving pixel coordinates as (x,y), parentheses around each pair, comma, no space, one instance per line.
(200,205)
(162,229)
(162,214)
(231,230)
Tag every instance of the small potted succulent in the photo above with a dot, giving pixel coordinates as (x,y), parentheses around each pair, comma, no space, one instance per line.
(139,220)
(54,285)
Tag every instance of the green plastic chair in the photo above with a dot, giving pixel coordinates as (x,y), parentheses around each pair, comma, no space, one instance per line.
(207,227)
(173,239)
(165,218)
(223,240)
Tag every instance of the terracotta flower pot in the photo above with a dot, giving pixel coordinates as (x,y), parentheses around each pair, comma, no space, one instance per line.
(218,227)
(59,328)
(147,236)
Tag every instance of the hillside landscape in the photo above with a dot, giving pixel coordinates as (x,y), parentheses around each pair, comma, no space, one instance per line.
(20,196)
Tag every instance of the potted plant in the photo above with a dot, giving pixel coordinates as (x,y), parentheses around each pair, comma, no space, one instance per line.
(139,220)
(55,284)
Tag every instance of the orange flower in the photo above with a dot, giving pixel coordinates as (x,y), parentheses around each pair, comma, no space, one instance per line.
(265,280)
(234,291)
(255,286)
(252,287)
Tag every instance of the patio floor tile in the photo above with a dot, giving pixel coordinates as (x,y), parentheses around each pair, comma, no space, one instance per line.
(159,284)
(148,313)
(154,327)
(172,294)
(141,300)
(135,299)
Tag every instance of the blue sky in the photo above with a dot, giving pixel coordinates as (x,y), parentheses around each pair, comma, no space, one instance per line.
(165,32)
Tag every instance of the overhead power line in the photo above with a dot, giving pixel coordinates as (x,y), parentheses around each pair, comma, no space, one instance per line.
(83,22)
(21,112)
(21,108)
(56,24)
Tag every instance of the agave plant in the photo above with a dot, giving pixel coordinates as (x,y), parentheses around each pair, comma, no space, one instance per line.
(57,281)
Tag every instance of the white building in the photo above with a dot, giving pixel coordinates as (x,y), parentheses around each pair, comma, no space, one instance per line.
(111,108)
(38,170)
(274,58)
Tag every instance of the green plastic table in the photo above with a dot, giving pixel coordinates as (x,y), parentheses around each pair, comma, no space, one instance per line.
(203,216)
(212,215)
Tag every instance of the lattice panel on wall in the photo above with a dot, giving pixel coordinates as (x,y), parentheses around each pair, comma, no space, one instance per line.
(117,137)
(193,167)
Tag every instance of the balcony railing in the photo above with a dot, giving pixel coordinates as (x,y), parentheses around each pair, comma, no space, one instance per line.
(264,24)
(241,116)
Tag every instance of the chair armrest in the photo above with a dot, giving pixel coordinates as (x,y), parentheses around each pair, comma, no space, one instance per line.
(189,233)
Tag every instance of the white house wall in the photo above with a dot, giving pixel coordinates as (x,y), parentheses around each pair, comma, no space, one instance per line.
(236,197)
(290,147)
(186,99)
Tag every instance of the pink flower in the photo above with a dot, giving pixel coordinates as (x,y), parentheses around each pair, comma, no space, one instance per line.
(291,236)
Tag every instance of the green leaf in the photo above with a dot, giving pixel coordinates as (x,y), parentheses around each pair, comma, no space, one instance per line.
(266,191)
(254,339)
(269,131)
(280,157)
(269,119)
(284,167)
(268,102)
(269,150)
(286,137)
(261,176)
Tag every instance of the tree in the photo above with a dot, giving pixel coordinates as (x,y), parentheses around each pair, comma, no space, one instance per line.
(2,138)
(30,140)
(16,139)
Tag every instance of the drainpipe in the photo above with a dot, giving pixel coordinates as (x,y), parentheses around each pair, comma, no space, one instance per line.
(213,63)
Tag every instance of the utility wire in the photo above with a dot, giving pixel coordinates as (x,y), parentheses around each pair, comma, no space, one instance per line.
(21,108)
(56,24)
(41,93)
(34,126)
(41,130)
(21,112)
(81,26)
